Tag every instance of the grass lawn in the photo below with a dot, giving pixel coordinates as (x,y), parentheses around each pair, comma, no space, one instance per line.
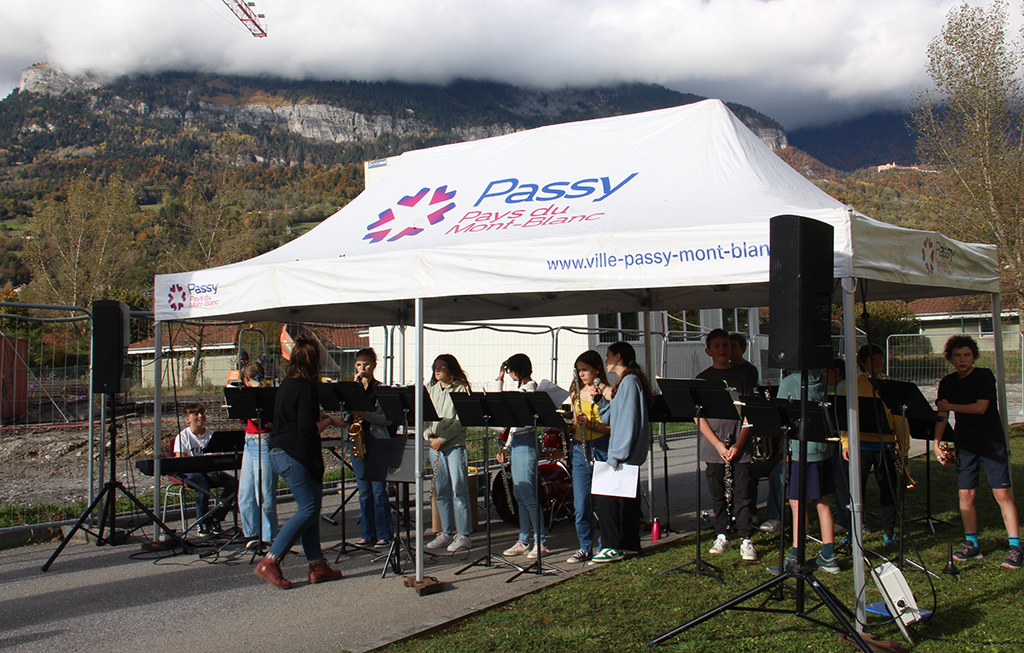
(620,606)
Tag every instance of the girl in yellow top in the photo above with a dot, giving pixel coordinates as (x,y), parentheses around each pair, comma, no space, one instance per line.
(589,443)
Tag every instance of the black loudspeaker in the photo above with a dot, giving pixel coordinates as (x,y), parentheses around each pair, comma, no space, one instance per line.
(800,293)
(111,329)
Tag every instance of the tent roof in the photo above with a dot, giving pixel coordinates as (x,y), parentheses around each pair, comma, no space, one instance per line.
(665,209)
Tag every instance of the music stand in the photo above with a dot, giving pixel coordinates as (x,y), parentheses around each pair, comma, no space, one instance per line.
(336,397)
(871,416)
(398,402)
(660,414)
(349,396)
(485,410)
(245,403)
(540,411)
(769,419)
(393,461)
(919,419)
(696,399)
(802,573)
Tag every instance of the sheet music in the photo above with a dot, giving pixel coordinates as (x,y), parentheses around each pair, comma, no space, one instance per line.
(609,482)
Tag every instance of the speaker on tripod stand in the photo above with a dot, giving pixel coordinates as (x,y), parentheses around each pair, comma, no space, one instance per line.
(111,333)
(800,294)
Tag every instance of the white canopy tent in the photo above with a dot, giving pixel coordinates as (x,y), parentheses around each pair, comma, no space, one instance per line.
(662,210)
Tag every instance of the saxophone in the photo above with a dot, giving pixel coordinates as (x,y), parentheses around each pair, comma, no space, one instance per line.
(901,463)
(355,435)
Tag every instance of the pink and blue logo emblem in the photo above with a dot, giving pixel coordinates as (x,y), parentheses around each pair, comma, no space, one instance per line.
(177,297)
(407,218)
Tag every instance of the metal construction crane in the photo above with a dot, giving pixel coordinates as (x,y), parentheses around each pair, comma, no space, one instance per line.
(245,10)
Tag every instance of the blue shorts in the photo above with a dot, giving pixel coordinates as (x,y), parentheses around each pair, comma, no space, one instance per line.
(820,481)
(997,469)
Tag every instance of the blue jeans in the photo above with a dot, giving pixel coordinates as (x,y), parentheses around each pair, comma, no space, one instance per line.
(524,475)
(305,523)
(255,456)
(581,479)
(374,506)
(451,476)
(223,480)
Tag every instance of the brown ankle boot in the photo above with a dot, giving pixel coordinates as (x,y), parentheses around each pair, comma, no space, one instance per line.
(321,572)
(271,570)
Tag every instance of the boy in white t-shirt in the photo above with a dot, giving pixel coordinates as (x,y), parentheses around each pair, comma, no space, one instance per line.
(191,442)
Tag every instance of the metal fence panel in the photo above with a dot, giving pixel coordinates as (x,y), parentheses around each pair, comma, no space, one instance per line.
(918,358)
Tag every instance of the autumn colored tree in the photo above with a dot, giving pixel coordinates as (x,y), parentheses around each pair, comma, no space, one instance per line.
(83,245)
(971,128)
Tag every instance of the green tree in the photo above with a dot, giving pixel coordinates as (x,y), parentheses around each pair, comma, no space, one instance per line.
(884,319)
(971,129)
(83,245)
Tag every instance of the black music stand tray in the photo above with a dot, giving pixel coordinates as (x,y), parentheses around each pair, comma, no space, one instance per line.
(769,419)
(393,461)
(335,397)
(870,414)
(919,418)
(660,414)
(803,572)
(245,403)
(537,408)
(398,403)
(696,399)
(109,514)
(485,410)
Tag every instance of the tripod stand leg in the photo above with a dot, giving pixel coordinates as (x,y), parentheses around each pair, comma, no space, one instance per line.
(77,526)
(716,611)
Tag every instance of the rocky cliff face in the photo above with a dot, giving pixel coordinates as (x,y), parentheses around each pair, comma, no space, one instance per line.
(329,123)
(48,80)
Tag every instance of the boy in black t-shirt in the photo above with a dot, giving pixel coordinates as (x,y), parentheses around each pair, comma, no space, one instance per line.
(970,393)
(726,441)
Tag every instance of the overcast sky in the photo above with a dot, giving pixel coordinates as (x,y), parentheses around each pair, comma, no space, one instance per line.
(799,61)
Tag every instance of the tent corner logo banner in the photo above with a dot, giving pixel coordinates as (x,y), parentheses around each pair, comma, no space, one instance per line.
(404,224)
(937,257)
(192,295)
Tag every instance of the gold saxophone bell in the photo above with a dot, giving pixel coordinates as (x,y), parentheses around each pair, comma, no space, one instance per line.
(355,434)
(902,465)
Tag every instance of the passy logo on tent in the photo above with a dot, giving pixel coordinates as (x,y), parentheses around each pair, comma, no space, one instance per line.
(928,255)
(192,295)
(404,219)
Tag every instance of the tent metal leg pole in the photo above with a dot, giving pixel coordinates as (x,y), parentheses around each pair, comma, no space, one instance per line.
(856,495)
(158,331)
(418,434)
(997,337)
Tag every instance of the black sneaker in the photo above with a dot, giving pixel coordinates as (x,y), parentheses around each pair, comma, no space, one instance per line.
(1013,558)
(205,530)
(967,551)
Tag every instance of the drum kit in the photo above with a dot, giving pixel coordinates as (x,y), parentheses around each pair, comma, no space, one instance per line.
(554,478)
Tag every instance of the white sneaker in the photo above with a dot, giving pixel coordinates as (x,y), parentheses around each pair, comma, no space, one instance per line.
(439,542)
(517,549)
(747,551)
(721,544)
(532,555)
(460,542)
(578,557)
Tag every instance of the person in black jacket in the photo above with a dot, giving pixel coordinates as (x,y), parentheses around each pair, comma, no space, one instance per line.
(296,456)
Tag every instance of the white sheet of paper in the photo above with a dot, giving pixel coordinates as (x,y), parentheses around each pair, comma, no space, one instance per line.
(609,482)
